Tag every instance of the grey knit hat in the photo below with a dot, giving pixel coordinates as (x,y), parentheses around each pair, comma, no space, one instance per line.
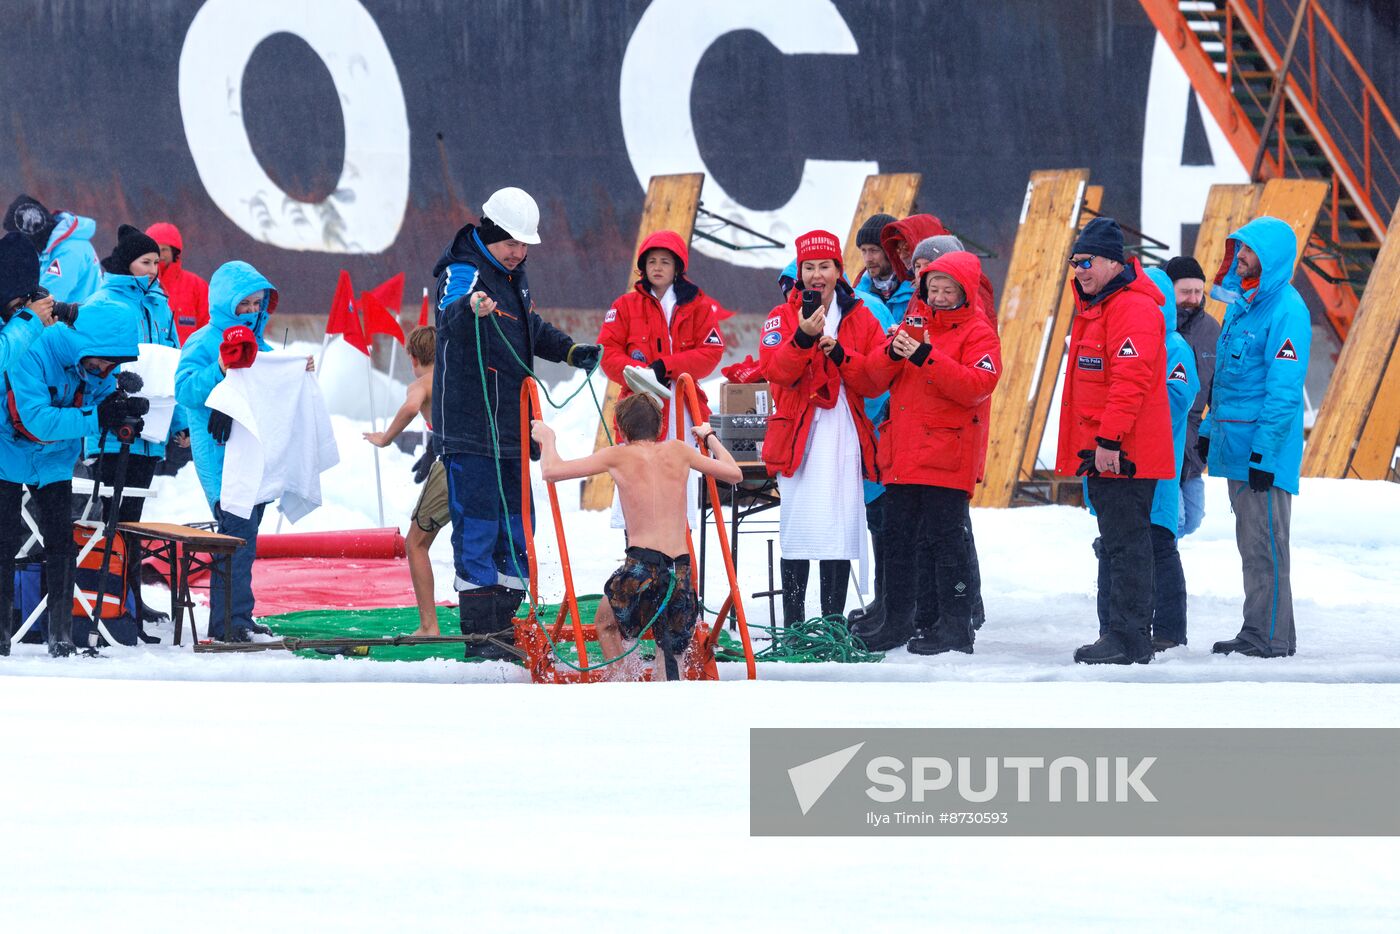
(931,248)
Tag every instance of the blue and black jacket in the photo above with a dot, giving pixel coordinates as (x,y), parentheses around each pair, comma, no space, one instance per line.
(460,424)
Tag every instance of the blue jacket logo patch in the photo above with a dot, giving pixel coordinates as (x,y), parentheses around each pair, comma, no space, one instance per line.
(1286,352)
(1178,373)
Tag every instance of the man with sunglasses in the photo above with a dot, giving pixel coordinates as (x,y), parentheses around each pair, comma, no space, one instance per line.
(1115,426)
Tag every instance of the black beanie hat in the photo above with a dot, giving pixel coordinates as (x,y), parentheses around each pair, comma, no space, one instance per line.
(19,267)
(132,244)
(869,233)
(27,216)
(1101,237)
(1184,267)
(491,232)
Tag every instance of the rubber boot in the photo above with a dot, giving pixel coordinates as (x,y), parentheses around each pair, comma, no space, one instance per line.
(60,579)
(835,579)
(507,603)
(476,615)
(895,624)
(1111,649)
(794,574)
(7,605)
(949,635)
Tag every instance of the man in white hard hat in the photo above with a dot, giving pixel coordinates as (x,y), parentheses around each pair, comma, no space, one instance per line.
(488,334)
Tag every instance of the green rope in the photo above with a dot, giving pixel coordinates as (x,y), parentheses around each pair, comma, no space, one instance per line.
(819,639)
(505,508)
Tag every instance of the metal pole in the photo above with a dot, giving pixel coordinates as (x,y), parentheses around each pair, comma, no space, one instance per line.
(374,420)
(1276,100)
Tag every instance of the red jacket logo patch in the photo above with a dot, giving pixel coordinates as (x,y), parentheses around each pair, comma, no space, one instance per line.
(1128,349)
(713,338)
(611,316)
(1178,373)
(773,323)
(1286,352)
(986,363)
(54,269)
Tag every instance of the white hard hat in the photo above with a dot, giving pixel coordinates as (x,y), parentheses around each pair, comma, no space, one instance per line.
(516,213)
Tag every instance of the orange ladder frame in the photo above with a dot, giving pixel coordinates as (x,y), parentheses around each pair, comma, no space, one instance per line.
(539,655)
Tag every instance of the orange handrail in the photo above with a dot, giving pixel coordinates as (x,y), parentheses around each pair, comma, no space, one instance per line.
(688,401)
(530,409)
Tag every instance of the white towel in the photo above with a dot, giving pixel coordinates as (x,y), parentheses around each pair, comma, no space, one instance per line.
(156,366)
(281,440)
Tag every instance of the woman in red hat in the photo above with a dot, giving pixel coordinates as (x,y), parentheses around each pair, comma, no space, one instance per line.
(819,444)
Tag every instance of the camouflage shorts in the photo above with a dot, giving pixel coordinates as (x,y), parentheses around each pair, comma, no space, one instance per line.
(636,591)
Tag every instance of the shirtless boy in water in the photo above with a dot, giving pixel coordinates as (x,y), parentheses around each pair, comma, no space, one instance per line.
(651,478)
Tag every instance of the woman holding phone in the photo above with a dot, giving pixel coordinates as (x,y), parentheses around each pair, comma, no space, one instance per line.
(819,444)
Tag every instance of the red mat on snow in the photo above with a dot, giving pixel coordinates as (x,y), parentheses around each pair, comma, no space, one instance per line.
(359,569)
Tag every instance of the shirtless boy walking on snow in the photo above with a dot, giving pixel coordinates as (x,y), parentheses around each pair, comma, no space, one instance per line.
(651,478)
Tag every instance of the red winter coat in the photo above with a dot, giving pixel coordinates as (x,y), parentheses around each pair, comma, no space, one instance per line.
(187,293)
(803,379)
(1116,380)
(913,231)
(634,331)
(937,431)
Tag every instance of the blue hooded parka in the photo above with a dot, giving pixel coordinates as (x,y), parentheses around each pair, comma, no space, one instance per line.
(55,398)
(68,267)
(199,371)
(1255,415)
(155,324)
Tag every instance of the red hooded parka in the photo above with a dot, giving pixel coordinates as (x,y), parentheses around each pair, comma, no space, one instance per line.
(803,379)
(635,332)
(1116,380)
(187,293)
(937,431)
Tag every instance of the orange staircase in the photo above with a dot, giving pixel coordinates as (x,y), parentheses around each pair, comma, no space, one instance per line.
(1326,120)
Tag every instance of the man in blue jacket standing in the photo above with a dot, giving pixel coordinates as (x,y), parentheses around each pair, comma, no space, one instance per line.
(488,337)
(1252,433)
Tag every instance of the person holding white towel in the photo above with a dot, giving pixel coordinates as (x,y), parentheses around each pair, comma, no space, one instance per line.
(240,301)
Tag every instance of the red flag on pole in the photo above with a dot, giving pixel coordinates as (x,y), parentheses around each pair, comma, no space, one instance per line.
(390,293)
(378,318)
(423,311)
(344,318)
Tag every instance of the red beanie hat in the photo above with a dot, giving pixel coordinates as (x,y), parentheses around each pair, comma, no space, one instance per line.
(818,244)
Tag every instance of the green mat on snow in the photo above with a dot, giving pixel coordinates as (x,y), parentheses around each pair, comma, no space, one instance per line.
(815,640)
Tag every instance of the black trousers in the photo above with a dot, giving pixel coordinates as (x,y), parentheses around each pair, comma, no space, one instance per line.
(1124,510)
(1168,587)
(928,540)
(875,522)
(50,505)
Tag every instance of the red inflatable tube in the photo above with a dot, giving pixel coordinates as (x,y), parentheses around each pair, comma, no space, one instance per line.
(353,543)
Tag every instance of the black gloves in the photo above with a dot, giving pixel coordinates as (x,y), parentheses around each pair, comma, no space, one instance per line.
(584,356)
(114,410)
(220,426)
(1086,464)
(837,354)
(919,356)
(1203,447)
(659,369)
(1260,481)
(424,464)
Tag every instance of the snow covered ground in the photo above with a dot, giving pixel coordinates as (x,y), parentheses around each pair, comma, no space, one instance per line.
(154,789)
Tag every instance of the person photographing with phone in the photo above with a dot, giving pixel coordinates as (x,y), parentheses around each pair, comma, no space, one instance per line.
(820,444)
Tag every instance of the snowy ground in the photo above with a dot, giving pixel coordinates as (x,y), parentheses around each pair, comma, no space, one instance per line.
(154,788)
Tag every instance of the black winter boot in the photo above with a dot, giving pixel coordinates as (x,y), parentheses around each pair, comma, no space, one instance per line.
(794,574)
(895,625)
(950,635)
(59,571)
(478,615)
(835,579)
(1111,649)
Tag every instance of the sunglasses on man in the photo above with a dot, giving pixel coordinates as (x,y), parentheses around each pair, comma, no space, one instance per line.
(1087,263)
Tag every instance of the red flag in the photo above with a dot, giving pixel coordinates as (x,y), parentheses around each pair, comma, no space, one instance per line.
(390,293)
(379,319)
(423,311)
(344,317)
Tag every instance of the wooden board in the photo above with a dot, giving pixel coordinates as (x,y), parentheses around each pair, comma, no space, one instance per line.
(1228,207)
(1296,201)
(1049,375)
(1035,282)
(671,204)
(1355,431)
(882,194)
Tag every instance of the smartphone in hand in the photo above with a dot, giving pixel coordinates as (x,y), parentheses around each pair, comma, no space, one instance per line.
(811,301)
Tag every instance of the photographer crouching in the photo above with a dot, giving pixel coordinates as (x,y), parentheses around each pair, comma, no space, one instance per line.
(62,389)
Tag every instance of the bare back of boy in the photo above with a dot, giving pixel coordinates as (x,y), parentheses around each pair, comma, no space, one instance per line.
(651,480)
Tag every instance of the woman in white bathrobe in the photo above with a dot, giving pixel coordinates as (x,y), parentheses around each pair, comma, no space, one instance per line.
(819,443)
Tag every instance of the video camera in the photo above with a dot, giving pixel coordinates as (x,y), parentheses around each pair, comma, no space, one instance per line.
(134,406)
